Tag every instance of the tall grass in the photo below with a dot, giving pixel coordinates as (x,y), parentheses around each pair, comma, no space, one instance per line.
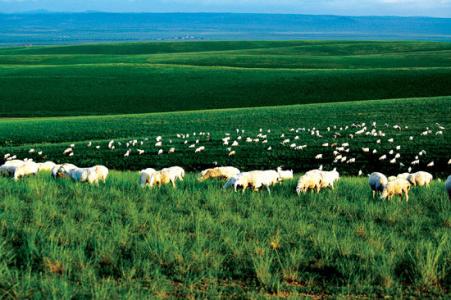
(61,239)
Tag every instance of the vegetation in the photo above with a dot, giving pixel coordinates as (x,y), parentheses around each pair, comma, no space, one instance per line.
(158,77)
(65,240)
(62,239)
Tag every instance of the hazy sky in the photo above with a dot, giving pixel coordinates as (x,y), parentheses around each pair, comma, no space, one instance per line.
(437,8)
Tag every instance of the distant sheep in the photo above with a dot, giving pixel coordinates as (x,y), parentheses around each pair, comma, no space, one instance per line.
(397,187)
(448,186)
(219,172)
(377,182)
(420,178)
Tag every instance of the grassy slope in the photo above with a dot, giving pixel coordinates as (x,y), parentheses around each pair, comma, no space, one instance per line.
(53,135)
(154,77)
(70,240)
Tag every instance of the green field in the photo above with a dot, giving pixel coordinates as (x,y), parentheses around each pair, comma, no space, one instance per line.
(281,104)
(158,77)
(64,240)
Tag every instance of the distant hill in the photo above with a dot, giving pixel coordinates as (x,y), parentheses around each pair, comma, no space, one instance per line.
(64,28)
(118,78)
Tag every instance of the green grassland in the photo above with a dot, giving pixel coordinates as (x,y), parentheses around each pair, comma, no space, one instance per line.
(54,135)
(59,239)
(158,77)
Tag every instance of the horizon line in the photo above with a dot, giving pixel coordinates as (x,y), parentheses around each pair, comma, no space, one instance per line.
(45,11)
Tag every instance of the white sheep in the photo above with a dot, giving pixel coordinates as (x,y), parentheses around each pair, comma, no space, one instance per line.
(219,172)
(328,178)
(285,174)
(311,181)
(377,182)
(403,176)
(101,173)
(420,178)
(46,166)
(90,175)
(254,179)
(398,187)
(63,170)
(144,178)
(165,176)
(391,178)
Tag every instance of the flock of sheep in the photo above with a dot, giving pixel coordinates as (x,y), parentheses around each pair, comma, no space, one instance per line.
(340,145)
(312,180)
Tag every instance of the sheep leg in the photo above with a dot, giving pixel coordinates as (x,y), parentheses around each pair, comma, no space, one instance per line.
(374,194)
(269,191)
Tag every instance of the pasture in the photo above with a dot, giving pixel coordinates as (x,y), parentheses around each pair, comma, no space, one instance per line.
(159,77)
(65,240)
(355,106)
(47,138)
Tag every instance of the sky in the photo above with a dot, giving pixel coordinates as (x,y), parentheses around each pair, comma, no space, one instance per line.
(433,8)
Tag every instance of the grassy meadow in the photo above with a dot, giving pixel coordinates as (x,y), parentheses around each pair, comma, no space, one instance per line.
(158,77)
(281,104)
(65,240)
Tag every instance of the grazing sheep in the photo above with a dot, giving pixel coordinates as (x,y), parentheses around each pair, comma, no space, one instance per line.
(14,163)
(162,177)
(46,166)
(392,178)
(285,174)
(448,186)
(396,187)
(18,168)
(101,173)
(178,172)
(82,175)
(403,176)
(254,179)
(311,181)
(90,175)
(63,170)
(328,178)
(166,175)
(218,172)
(420,178)
(145,175)
(377,182)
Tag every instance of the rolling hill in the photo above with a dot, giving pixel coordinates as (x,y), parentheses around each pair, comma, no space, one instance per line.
(126,78)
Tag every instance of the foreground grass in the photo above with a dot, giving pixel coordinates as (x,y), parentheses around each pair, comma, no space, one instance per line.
(64,240)
(158,77)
